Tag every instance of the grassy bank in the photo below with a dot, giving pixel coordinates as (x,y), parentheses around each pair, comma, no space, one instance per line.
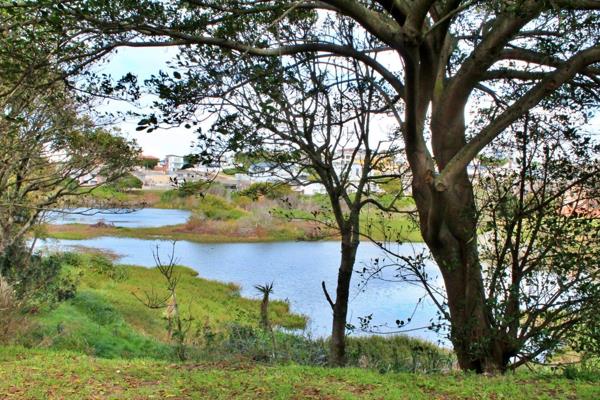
(103,343)
(106,319)
(195,230)
(219,215)
(45,374)
(207,231)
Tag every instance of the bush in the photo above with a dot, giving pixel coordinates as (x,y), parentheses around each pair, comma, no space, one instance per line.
(393,354)
(187,189)
(272,191)
(397,353)
(259,345)
(242,201)
(35,278)
(11,313)
(214,207)
(588,370)
(127,182)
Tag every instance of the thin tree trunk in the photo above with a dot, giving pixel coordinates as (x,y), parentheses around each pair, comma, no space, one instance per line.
(337,355)
(264,312)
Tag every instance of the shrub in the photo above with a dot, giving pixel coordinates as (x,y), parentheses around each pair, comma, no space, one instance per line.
(214,207)
(188,189)
(397,353)
(127,182)
(11,314)
(393,354)
(243,201)
(272,191)
(36,278)
(588,370)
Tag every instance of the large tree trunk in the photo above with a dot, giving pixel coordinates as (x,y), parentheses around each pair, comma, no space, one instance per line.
(449,226)
(473,336)
(337,354)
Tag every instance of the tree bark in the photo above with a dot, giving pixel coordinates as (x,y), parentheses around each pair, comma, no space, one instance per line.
(337,354)
(448,224)
(472,334)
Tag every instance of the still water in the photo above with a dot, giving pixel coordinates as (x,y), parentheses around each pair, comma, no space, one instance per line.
(143,218)
(296,269)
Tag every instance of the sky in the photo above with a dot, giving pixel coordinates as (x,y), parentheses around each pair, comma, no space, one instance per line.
(144,62)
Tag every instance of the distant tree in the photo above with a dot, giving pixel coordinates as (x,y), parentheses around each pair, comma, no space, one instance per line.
(127,182)
(148,162)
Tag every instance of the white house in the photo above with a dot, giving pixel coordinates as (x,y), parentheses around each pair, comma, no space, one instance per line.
(173,162)
(349,160)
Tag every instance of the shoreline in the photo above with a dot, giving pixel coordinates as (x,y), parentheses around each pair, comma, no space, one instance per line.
(286,233)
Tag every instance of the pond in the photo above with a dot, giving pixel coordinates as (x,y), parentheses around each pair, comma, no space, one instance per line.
(142,218)
(296,269)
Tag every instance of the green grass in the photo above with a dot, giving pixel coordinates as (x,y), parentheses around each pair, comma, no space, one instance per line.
(104,343)
(47,374)
(106,318)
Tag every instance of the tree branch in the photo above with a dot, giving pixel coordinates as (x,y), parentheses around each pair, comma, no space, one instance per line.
(547,86)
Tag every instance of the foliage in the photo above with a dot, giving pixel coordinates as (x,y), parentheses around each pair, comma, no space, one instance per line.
(184,190)
(392,187)
(213,207)
(26,289)
(148,162)
(187,189)
(49,147)
(540,253)
(273,191)
(11,313)
(63,152)
(36,279)
(392,354)
(588,370)
(127,182)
